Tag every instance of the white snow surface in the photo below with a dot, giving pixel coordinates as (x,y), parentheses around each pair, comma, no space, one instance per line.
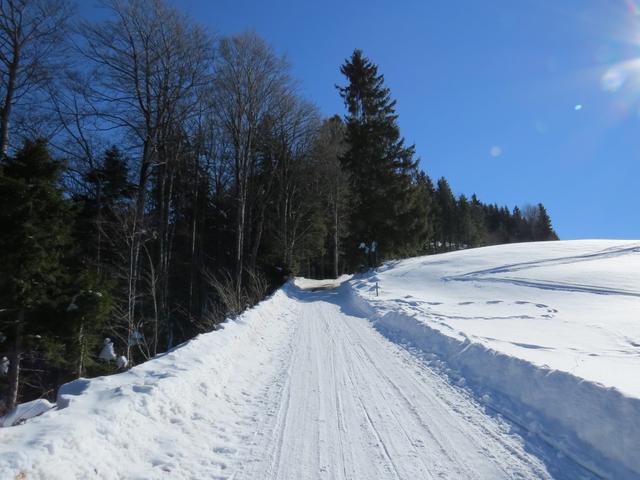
(572,306)
(552,328)
(316,285)
(26,411)
(502,362)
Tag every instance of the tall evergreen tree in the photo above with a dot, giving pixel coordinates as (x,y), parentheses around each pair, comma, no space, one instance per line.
(447,222)
(465,228)
(428,198)
(479,221)
(35,232)
(386,206)
(108,190)
(94,260)
(544,230)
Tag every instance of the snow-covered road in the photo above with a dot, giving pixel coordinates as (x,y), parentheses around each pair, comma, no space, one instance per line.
(353,405)
(301,387)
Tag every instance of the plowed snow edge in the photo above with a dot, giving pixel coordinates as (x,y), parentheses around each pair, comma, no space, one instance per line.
(596,426)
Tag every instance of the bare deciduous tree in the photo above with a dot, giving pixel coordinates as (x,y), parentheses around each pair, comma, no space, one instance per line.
(299,186)
(150,64)
(250,82)
(330,145)
(31,35)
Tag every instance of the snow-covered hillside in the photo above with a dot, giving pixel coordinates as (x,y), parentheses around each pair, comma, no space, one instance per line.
(571,306)
(553,327)
(518,361)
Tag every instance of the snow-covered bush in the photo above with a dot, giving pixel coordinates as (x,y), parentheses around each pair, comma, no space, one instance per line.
(107,353)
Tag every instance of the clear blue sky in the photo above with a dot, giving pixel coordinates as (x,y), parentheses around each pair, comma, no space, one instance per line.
(519,101)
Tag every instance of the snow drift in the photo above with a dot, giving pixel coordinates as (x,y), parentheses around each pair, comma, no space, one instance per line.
(26,411)
(150,422)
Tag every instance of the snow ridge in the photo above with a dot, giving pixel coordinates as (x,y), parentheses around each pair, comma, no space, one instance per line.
(170,417)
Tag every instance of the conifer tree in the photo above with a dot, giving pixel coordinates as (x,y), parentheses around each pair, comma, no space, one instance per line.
(34,235)
(479,221)
(93,261)
(328,148)
(108,190)
(465,228)
(386,206)
(544,230)
(446,213)
(85,316)
(427,193)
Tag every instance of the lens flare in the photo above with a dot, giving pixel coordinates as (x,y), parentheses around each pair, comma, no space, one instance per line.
(634,9)
(613,79)
(620,77)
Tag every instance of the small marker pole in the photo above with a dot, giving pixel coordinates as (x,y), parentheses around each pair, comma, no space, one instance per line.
(376,289)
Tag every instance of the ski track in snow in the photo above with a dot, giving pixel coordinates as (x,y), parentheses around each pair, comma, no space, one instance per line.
(488,275)
(356,406)
(320,395)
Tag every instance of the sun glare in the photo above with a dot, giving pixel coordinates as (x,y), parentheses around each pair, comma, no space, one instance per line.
(621,74)
(621,79)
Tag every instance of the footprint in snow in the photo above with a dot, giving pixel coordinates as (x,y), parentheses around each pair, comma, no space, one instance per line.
(224,450)
(142,389)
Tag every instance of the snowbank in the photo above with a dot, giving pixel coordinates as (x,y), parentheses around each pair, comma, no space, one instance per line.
(150,420)
(326,284)
(485,329)
(26,411)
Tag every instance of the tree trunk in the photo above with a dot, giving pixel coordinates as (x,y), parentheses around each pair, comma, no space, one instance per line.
(253,259)
(99,232)
(240,226)
(14,364)
(5,113)
(81,342)
(136,242)
(336,238)
(194,230)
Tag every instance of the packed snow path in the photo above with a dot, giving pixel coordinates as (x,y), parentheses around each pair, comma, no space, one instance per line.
(300,387)
(355,406)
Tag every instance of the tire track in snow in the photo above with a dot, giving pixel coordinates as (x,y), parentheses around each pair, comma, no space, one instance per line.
(488,275)
(434,393)
(354,405)
(364,360)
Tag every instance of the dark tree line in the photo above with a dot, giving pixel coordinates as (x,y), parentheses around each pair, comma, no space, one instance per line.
(156,180)
(464,223)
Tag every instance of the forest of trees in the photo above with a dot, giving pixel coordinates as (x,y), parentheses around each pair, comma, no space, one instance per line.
(156,179)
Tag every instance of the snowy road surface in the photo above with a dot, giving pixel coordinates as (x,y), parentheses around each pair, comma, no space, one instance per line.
(301,387)
(355,406)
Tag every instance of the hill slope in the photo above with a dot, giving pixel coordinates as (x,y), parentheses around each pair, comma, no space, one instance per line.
(550,328)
